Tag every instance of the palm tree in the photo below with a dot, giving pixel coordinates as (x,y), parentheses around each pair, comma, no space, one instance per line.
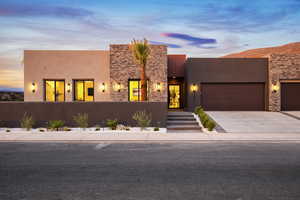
(141,52)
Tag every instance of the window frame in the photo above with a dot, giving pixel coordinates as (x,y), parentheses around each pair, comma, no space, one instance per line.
(55,98)
(139,87)
(74,89)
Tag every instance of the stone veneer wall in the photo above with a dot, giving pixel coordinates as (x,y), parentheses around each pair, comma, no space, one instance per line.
(123,67)
(281,67)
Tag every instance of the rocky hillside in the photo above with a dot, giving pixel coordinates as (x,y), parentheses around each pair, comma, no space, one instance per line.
(292,48)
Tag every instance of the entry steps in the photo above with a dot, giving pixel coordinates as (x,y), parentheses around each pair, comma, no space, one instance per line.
(182,121)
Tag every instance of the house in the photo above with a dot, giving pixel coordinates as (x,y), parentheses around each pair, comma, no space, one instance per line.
(271,83)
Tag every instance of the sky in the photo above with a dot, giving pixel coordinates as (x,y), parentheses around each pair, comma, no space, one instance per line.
(198,28)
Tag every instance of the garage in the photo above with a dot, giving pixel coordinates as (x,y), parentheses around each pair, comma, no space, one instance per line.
(233,96)
(290,96)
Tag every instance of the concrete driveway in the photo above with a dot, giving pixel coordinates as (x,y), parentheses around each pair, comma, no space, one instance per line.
(255,122)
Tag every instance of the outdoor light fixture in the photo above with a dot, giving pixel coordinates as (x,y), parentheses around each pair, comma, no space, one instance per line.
(118,87)
(68,87)
(103,87)
(158,87)
(33,87)
(275,87)
(194,88)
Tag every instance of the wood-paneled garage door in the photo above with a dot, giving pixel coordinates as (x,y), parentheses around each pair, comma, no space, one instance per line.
(290,96)
(233,96)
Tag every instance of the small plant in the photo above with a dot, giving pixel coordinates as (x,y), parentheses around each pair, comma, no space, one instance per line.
(198,109)
(156,129)
(66,129)
(27,122)
(211,125)
(97,128)
(41,130)
(142,118)
(7,130)
(127,129)
(112,123)
(82,120)
(56,124)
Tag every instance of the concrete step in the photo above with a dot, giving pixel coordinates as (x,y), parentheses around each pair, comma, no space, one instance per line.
(182,127)
(181,119)
(182,123)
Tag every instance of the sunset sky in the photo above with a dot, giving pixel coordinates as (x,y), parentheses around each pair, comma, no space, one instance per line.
(199,28)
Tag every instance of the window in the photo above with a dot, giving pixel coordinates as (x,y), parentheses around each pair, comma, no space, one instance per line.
(134,89)
(84,90)
(54,90)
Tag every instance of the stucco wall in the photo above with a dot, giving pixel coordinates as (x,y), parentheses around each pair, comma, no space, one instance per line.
(68,65)
(282,67)
(123,67)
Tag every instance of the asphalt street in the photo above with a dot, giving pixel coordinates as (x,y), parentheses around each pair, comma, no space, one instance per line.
(212,170)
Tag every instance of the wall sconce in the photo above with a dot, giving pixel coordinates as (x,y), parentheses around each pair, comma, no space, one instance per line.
(194,88)
(68,87)
(33,87)
(118,87)
(275,87)
(103,87)
(157,87)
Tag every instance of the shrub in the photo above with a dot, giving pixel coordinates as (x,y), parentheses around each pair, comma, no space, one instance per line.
(66,129)
(41,130)
(27,122)
(211,125)
(142,118)
(204,119)
(7,130)
(156,129)
(198,109)
(97,128)
(56,124)
(81,120)
(112,123)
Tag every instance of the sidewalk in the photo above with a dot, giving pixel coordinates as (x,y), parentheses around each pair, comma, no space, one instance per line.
(144,137)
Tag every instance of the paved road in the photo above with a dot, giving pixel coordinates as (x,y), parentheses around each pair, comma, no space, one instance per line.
(150,171)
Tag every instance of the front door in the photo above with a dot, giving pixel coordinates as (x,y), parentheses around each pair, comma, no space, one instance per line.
(174,96)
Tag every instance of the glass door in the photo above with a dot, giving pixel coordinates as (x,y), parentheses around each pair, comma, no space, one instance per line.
(174,96)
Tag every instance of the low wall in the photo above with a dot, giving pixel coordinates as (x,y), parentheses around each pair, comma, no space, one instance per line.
(99,112)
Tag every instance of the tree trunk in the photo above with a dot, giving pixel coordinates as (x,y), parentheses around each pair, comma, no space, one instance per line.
(143,83)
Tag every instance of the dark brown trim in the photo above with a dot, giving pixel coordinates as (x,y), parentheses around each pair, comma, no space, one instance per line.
(74,95)
(44,89)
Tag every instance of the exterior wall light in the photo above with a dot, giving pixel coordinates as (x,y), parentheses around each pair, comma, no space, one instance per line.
(118,87)
(194,88)
(103,87)
(158,87)
(33,87)
(68,87)
(275,87)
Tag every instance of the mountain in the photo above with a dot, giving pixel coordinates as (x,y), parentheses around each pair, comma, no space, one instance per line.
(291,48)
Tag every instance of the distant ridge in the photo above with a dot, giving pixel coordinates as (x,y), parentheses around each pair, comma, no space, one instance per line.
(6,89)
(291,48)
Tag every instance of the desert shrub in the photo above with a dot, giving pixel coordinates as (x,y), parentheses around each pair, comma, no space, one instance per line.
(97,128)
(55,124)
(204,119)
(112,123)
(198,109)
(82,120)
(211,125)
(142,118)
(27,122)
(156,129)
(41,130)
(66,129)
(7,130)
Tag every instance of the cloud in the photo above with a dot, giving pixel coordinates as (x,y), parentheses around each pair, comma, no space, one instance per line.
(193,41)
(174,46)
(41,10)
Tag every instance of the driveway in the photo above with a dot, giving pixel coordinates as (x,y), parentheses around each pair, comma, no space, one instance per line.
(255,122)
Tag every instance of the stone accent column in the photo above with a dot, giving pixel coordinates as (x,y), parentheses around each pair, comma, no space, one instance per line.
(123,68)
(282,67)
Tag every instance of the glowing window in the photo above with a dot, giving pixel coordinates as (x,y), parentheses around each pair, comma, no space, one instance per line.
(84,90)
(134,89)
(54,90)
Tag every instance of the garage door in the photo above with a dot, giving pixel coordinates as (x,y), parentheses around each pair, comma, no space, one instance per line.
(290,96)
(233,96)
